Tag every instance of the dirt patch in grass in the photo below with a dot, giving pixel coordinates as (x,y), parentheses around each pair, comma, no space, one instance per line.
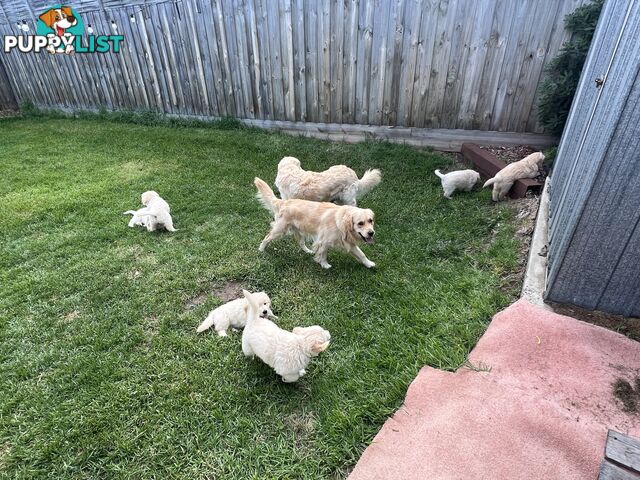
(226,292)
(151,328)
(303,426)
(626,394)
(71,316)
(628,326)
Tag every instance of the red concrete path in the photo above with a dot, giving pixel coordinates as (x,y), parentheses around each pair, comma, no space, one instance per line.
(542,412)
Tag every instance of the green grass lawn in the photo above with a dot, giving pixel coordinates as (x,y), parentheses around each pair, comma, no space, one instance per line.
(102,374)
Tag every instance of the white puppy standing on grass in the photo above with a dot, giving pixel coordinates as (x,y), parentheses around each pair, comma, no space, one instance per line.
(458,180)
(155,215)
(528,167)
(337,184)
(288,353)
(234,314)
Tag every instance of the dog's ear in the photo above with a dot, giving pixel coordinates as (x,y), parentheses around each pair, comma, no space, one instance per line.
(319,347)
(371,214)
(346,224)
(48,17)
(67,11)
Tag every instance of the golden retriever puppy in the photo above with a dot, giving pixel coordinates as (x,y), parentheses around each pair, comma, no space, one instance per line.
(337,184)
(288,353)
(528,167)
(139,218)
(234,314)
(155,215)
(458,180)
(329,225)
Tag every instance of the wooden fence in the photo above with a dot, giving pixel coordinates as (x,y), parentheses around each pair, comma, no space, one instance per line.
(470,64)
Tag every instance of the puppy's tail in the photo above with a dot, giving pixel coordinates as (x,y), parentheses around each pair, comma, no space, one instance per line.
(169,224)
(489,182)
(368,182)
(129,212)
(437,172)
(208,322)
(266,195)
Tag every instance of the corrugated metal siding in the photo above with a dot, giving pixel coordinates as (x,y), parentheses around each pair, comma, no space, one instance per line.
(595,199)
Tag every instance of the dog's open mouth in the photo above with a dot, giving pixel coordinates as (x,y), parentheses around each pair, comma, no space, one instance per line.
(264,315)
(366,239)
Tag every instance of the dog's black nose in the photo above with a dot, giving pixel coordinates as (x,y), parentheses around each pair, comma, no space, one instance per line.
(371,233)
(264,312)
(71,19)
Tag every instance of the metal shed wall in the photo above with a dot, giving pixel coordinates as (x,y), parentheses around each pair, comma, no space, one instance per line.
(595,195)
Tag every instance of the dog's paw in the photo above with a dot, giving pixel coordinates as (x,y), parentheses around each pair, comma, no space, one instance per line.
(262,248)
(369,264)
(222,333)
(69,50)
(51,49)
(325,265)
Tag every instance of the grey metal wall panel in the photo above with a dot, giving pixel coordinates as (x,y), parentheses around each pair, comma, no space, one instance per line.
(622,294)
(583,104)
(595,198)
(600,269)
(579,153)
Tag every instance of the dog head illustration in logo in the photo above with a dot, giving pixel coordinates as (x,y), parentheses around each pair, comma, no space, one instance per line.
(59,20)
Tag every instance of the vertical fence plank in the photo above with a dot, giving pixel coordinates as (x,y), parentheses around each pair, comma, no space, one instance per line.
(349,62)
(299,86)
(365,43)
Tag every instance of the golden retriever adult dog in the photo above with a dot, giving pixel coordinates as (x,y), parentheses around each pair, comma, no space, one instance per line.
(528,167)
(329,225)
(337,184)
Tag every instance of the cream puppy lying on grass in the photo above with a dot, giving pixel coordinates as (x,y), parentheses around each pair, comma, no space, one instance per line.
(288,353)
(528,167)
(155,215)
(234,314)
(458,180)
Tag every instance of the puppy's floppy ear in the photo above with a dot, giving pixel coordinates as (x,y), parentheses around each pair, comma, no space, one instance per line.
(67,11)
(48,17)
(319,347)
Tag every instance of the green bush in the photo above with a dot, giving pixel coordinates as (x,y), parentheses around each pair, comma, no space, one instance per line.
(563,72)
